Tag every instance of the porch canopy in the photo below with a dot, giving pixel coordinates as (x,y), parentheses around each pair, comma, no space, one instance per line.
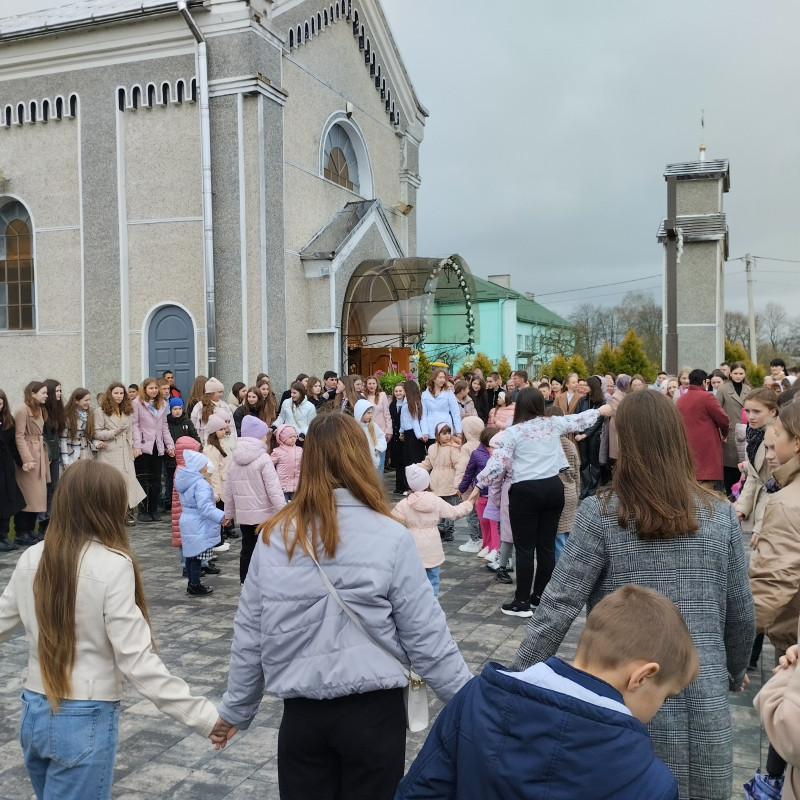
(391,302)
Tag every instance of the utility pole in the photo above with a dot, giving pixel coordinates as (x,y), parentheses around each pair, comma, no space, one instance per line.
(670,227)
(748,264)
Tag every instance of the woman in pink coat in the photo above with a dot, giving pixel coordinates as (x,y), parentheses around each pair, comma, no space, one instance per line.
(252,490)
(373,392)
(151,439)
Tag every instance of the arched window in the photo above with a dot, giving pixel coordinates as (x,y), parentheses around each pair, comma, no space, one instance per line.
(73,105)
(33,111)
(179,90)
(341,165)
(8,115)
(313,28)
(291,38)
(17,311)
(305,32)
(120,102)
(325,17)
(165,93)
(20,114)
(45,110)
(337,11)
(136,96)
(60,105)
(299,36)
(319,22)
(151,95)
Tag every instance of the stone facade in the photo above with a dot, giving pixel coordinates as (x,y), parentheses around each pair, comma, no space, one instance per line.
(115,191)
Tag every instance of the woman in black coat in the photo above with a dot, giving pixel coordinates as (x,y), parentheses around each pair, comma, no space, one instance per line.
(11,499)
(396,444)
(589,441)
(477,391)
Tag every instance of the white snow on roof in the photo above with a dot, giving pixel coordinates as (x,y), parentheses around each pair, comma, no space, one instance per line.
(81,11)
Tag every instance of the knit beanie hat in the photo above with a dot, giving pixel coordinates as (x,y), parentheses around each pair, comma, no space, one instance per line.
(194,461)
(253,427)
(224,412)
(623,382)
(284,432)
(417,478)
(176,401)
(215,423)
(213,385)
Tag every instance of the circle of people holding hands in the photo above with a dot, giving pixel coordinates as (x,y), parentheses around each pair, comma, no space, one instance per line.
(610,493)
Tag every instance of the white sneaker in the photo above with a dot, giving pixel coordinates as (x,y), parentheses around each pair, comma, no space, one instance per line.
(493,565)
(491,555)
(470,547)
(483,552)
(222,548)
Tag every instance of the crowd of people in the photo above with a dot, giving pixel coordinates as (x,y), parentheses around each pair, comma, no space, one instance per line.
(573,489)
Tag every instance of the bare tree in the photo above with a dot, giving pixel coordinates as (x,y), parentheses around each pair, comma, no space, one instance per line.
(776,327)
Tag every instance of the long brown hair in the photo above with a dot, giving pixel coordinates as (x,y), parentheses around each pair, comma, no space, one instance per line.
(36,409)
(413,399)
(89,503)
(71,413)
(431,383)
(335,455)
(258,407)
(196,392)
(350,393)
(109,407)
(158,400)
(654,478)
(269,406)
(6,417)
(55,408)
(378,389)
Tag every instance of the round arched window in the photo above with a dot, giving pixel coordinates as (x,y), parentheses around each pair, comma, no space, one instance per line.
(339,159)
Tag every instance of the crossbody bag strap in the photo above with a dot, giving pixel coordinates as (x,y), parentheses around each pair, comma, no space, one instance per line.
(335,595)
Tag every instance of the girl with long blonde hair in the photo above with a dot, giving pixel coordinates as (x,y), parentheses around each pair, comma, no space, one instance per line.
(342,692)
(79,596)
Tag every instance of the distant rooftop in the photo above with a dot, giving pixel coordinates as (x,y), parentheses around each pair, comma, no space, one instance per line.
(77,14)
(527,310)
(694,170)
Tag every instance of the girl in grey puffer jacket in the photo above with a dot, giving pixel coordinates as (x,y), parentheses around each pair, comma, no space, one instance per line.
(343,700)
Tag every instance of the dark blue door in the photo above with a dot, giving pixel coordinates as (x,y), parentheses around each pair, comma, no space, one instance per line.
(171,346)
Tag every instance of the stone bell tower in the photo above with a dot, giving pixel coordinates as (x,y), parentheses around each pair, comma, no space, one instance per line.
(695,238)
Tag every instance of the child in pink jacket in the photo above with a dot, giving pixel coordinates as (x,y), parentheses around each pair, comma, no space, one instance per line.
(286,457)
(252,490)
(420,512)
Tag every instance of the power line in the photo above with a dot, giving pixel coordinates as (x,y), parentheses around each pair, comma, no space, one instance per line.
(592,296)
(597,286)
(767,258)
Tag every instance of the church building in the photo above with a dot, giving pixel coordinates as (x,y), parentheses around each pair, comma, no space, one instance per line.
(215,187)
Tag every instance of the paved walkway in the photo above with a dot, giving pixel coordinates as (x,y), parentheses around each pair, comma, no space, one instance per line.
(158,758)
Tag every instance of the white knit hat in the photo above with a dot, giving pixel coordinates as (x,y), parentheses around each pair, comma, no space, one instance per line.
(417,478)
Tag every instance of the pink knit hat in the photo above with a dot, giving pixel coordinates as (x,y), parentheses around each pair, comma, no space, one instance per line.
(417,478)
(213,385)
(215,423)
(284,432)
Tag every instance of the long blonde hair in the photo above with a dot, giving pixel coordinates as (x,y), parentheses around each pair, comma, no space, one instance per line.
(335,456)
(89,504)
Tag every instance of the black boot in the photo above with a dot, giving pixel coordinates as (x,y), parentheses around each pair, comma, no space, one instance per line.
(5,545)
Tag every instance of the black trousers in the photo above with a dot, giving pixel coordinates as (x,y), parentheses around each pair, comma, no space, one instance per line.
(24,522)
(413,449)
(249,539)
(148,473)
(347,748)
(534,508)
(730,475)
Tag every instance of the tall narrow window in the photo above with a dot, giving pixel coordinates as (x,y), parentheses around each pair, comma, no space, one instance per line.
(17,311)
(340,162)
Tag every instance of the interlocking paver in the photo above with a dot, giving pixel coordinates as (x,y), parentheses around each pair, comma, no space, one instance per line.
(159,758)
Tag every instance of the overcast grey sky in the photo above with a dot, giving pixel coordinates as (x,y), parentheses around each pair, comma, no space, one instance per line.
(551,124)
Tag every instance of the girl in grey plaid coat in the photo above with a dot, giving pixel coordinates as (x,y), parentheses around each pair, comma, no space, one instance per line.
(658,528)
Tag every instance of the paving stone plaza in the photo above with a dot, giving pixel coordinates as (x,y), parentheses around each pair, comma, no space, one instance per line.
(158,758)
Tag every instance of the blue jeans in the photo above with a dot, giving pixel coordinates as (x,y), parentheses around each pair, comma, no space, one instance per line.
(381,462)
(561,541)
(433,577)
(69,754)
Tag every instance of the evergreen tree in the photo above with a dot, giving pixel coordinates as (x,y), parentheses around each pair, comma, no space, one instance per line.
(504,368)
(483,362)
(558,367)
(577,364)
(633,359)
(607,360)
(423,368)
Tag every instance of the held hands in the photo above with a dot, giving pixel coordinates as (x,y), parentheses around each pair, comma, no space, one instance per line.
(171,453)
(136,453)
(222,733)
(28,466)
(605,411)
(226,523)
(579,437)
(788,660)
(745,684)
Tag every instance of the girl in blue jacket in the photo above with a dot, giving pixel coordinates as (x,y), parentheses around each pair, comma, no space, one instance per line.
(200,518)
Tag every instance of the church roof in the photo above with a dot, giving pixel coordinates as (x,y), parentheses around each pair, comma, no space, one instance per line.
(79,13)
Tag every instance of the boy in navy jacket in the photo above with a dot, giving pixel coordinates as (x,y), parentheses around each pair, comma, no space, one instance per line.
(561,731)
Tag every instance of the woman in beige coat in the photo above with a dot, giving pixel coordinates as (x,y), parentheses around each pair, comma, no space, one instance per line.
(34,474)
(114,440)
(731,396)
